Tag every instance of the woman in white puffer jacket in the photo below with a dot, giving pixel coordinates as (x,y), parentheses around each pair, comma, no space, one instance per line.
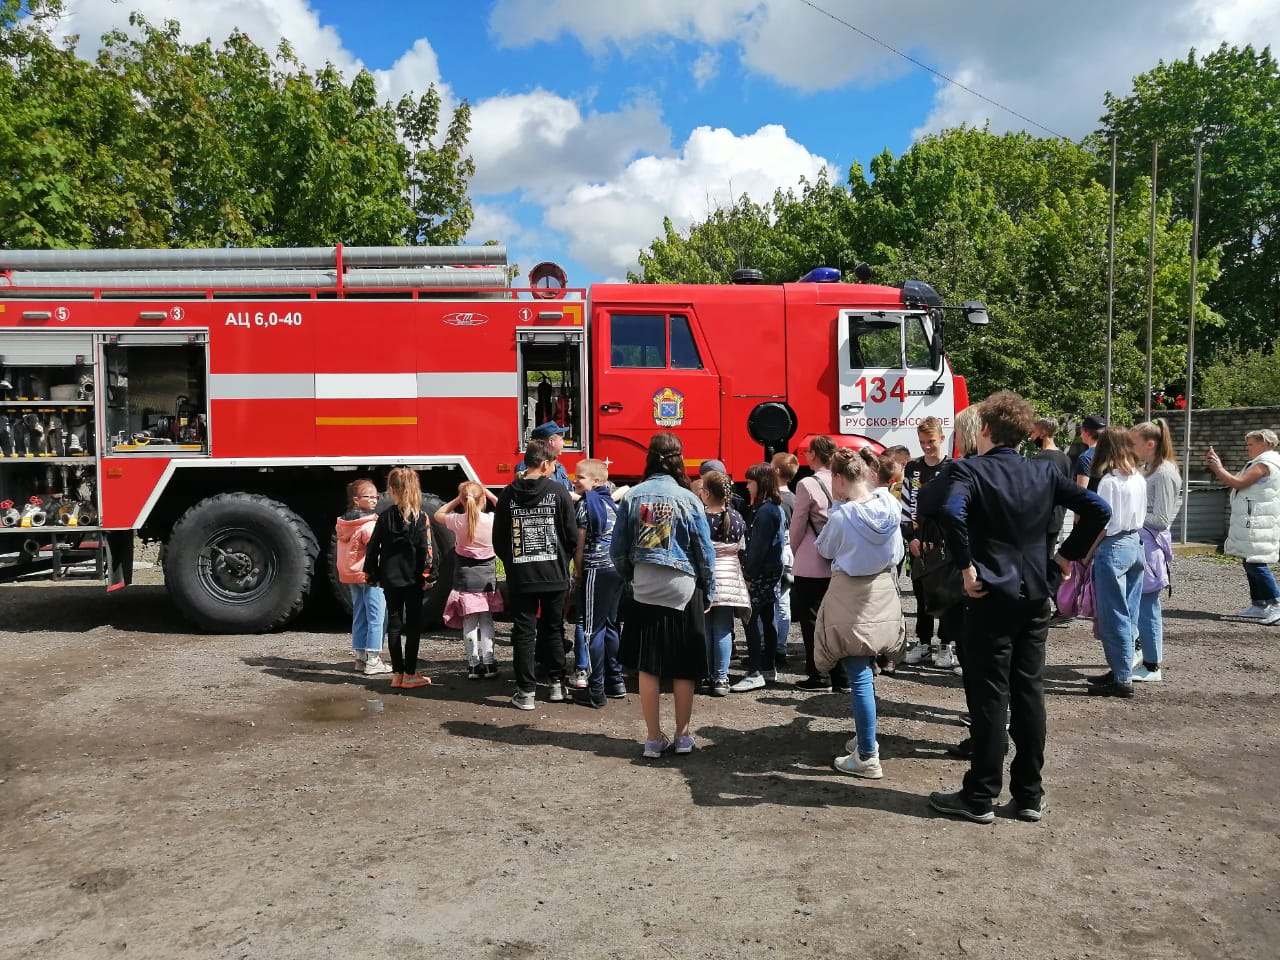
(1254,533)
(732,602)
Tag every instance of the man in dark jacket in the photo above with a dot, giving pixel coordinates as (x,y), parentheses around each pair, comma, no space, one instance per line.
(996,515)
(535,532)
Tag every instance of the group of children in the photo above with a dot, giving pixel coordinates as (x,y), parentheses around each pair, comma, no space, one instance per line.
(553,565)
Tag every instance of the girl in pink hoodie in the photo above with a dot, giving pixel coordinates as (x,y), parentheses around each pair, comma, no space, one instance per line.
(368,606)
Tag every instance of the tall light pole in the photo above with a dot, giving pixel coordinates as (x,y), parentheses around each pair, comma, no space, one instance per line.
(1151,283)
(1111,280)
(1191,345)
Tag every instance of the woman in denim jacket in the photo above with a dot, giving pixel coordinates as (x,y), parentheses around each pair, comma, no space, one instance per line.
(662,548)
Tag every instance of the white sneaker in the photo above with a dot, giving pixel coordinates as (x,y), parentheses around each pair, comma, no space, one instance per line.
(752,681)
(1137,658)
(855,766)
(916,654)
(945,659)
(579,679)
(958,670)
(376,665)
(1253,612)
(1142,674)
(1272,616)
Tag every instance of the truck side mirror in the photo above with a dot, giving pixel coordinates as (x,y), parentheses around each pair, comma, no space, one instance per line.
(975,311)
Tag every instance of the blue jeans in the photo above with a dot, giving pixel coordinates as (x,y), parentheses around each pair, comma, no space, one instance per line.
(862,703)
(1262,585)
(368,618)
(1117,588)
(719,642)
(597,601)
(1151,628)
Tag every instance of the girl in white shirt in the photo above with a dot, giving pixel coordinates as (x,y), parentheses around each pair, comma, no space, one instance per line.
(1118,561)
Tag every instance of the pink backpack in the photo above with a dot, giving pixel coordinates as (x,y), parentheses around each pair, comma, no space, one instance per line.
(1075,596)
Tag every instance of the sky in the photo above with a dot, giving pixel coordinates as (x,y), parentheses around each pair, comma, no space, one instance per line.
(594,119)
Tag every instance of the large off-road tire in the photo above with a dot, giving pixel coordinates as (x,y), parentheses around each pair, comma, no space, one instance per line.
(438,595)
(434,599)
(240,563)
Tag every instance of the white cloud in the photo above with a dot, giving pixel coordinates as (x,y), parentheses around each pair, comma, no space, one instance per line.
(705,68)
(490,222)
(522,22)
(266,22)
(1051,62)
(540,142)
(609,222)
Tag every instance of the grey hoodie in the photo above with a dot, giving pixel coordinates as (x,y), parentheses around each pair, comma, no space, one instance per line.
(861,539)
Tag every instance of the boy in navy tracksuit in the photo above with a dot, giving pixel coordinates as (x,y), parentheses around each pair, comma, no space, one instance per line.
(597,589)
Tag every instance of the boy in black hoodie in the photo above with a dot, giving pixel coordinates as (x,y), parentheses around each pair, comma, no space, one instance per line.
(535,531)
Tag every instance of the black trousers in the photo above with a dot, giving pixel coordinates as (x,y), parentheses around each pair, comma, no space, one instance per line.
(806,598)
(404,618)
(948,622)
(1004,651)
(537,635)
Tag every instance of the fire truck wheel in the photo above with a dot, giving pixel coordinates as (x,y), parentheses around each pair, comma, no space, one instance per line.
(240,563)
(435,599)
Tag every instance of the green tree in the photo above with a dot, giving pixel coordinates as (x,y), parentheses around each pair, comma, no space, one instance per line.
(1227,98)
(1242,378)
(163,143)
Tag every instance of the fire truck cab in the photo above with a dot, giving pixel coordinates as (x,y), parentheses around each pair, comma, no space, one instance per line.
(218,401)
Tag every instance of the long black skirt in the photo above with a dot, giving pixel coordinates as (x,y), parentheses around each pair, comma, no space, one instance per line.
(671,644)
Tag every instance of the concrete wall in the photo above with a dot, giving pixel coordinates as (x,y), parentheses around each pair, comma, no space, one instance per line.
(1210,507)
(1223,429)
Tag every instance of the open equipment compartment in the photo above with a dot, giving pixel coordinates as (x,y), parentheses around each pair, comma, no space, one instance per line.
(49,453)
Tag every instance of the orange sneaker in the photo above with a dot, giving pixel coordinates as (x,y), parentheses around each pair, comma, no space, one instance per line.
(397,679)
(415,680)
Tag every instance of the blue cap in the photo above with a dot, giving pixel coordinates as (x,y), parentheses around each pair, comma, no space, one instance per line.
(709,465)
(547,430)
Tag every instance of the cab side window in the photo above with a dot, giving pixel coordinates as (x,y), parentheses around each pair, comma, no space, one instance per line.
(919,349)
(875,347)
(638,341)
(684,350)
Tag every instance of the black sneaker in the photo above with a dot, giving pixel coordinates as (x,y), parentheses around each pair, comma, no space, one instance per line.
(1108,677)
(1030,812)
(590,698)
(964,749)
(617,689)
(956,805)
(1112,689)
(814,683)
(780,661)
(490,671)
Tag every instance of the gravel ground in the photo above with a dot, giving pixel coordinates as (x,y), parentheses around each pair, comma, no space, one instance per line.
(168,795)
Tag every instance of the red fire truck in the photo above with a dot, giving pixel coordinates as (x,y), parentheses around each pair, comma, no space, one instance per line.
(218,401)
